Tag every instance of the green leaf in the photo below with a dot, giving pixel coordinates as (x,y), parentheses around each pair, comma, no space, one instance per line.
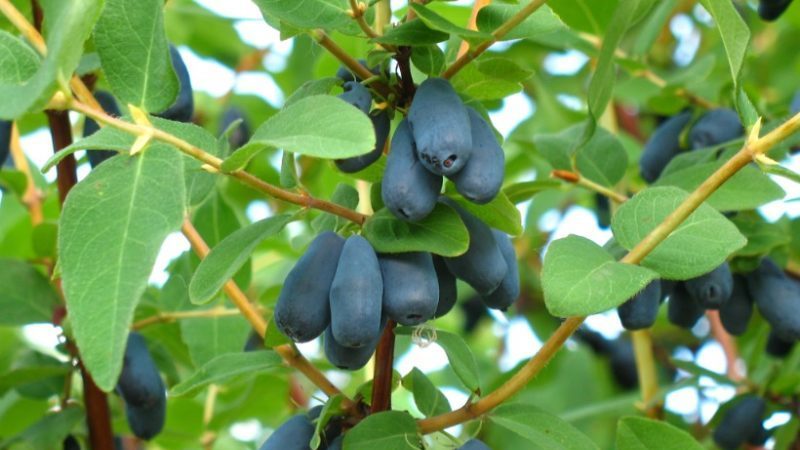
(111,230)
(50,431)
(460,357)
(442,232)
(225,259)
(71,25)
(321,86)
(580,278)
(18,61)
(499,213)
(438,22)
(307,14)
(414,33)
(543,21)
(390,430)
(734,31)
(107,138)
(558,148)
(701,243)
(472,82)
(521,192)
(344,195)
(639,433)
(762,236)
(31,374)
(215,220)
(429,400)
(134,53)
(585,15)
(780,171)
(225,368)
(541,429)
(602,85)
(319,125)
(210,337)
(429,59)
(26,295)
(199,182)
(602,159)
(749,188)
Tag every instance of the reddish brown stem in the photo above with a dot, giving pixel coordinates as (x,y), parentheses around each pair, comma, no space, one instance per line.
(382,379)
(403,57)
(98,417)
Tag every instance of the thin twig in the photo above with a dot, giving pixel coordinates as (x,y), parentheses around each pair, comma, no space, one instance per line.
(575,178)
(728,345)
(382,379)
(166,317)
(357,12)
(646,370)
(497,35)
(32,198)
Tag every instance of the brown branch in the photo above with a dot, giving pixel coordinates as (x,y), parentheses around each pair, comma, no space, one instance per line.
(351,63)
(382,378)
(727,343)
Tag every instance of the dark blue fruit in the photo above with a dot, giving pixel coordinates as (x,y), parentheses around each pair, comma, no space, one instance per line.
(70,443)
(641,311)
(448,294)
(410,287)
(441,127)
(760,437)
(623,363)
(294,434)
(146,421)
(348,358)
(90,127)
(595,340)
(382,125)
(482,266)
(740,422)
(715,127)
(241,134)
(507,293)
(182,109)
(5,140)
(357,95)
(682,309)
(736,312)
(663,145)
(474,444)
(344,73)
(356,295)
(777,346)
(254,342)
(602,210)
(777,298)
(302,312)
(713,289)
(336,444)
(772,9)
(667,286)
(474,312)
(139,382)
(408,190)
(482,177)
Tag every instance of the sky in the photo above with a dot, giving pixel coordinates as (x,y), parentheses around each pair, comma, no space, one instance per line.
(521,341)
